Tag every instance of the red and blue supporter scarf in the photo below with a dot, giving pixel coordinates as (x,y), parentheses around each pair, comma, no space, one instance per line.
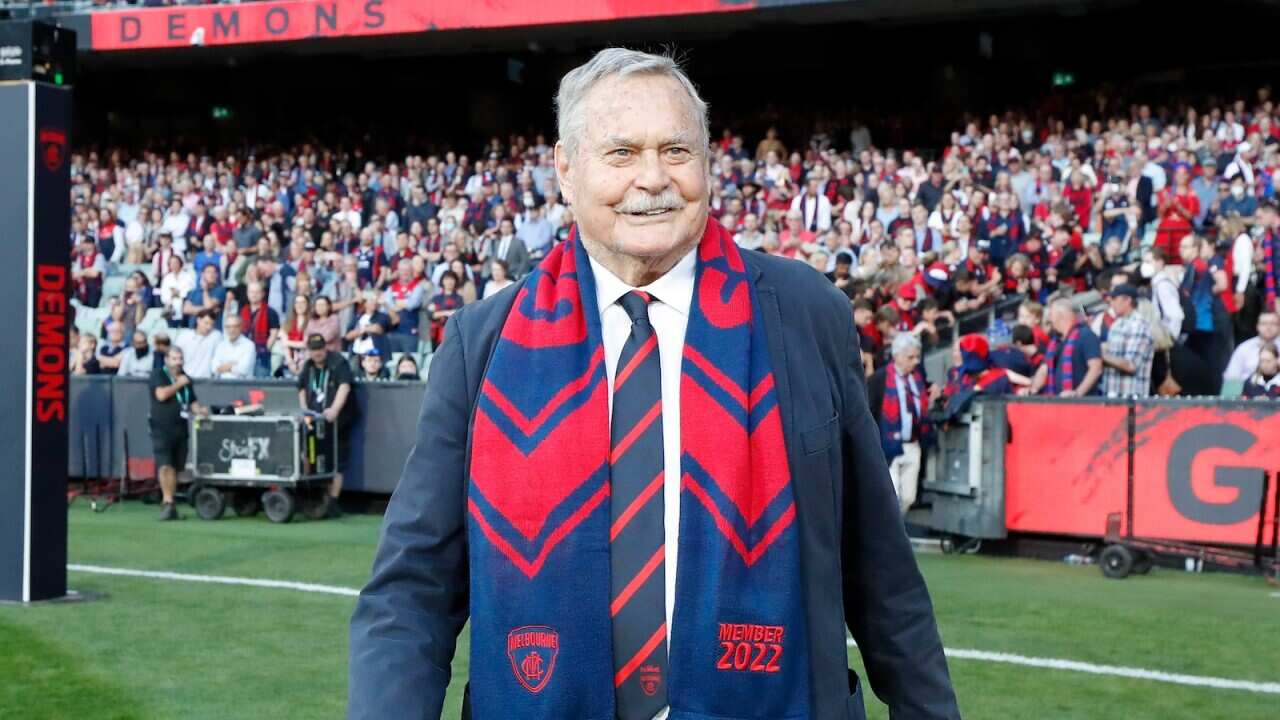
(538,501)
(1061,357)
(1269,251)
(891,439)
(973,376)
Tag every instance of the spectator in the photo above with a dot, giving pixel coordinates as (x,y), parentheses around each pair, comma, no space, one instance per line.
(402,302)
(444,305)
(199,345)
(84,361)
(326,324)
(174,289)
(119,314)
(499,279)
(88,269)
(407,368)
(209,296)
(1244,361)
(1021,357)
(1178,207)
(137,361)
(813,206)
(1264,383)
(899,400)
(235,356)
(1199,291)
(263,325)
(324,387)
(1129,347)
(368,328)
(535,231)
(111,352)
(293,337)
(1269,222)
(972,374)
(372,367)
(1073,362)
(501,244)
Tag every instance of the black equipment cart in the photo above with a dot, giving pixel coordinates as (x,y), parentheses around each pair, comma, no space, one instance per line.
(276,463)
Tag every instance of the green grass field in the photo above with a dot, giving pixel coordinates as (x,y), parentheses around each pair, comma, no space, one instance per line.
(164,649)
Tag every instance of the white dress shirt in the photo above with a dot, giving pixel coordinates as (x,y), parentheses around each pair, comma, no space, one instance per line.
(669,315)
(240,353)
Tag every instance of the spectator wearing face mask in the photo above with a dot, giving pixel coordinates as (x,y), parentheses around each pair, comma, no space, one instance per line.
(137,361)
(407,369)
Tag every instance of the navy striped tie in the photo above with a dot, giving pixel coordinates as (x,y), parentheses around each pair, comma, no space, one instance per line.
(637,538)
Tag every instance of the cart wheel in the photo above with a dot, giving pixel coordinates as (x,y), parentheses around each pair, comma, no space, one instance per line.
(210,503)
(279,505)
(1143,563)
(947,544)
(1116,562)
(246,503)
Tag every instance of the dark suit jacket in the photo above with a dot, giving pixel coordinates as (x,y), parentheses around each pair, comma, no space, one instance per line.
(406,622)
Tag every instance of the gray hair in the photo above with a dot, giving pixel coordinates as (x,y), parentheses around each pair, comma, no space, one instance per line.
(904,342)
(575,85)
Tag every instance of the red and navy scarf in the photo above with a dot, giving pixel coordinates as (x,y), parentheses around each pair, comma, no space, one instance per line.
(538,500)
(891,439)
(1269,251)
(975,375)
(1064,353)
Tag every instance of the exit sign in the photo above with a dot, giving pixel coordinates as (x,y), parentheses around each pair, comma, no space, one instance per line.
(1064,79)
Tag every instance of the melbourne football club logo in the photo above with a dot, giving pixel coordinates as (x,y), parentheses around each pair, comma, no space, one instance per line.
(650,679)
(532,650)
(53,148)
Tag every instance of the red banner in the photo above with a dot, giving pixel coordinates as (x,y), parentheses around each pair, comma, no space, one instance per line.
(1066,467)
(303,19)
(1197,469)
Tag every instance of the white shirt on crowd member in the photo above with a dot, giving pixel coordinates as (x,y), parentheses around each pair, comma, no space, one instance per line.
(669,315)
(133,366)
(242,354)
(805,205)
(1244,361)
(197,352)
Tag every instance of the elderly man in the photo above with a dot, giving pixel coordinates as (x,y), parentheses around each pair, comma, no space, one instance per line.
(651,426)
(235,356)
(899,401)
(1129,349)
(1073,363)
(1244,361)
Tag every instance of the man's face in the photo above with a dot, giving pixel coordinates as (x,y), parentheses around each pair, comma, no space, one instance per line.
(317,356)
(140,341)
(1121,305)
(204,324)
(907,360)
(1268,326)
(638,182)
(173,359)
(231,327)
(255,292)
(371,364)
(115,334)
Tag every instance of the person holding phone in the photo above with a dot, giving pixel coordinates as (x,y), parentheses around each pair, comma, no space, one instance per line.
(173,400)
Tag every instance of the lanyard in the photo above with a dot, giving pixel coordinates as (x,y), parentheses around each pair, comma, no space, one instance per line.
(183,394)
(319,384)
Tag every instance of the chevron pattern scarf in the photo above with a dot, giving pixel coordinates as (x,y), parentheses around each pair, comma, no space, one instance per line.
(538,499)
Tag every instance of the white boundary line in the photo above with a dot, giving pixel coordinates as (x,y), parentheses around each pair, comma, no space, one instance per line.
(981,655)
(1114,670)
(219,580)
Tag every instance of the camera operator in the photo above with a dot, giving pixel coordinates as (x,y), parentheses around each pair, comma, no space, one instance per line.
(173,397)
(324,386)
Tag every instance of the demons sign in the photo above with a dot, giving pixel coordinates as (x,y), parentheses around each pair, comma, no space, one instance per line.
(180,26)
(1197,468)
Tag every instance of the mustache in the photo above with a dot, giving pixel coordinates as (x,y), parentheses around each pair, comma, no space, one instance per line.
(643,203)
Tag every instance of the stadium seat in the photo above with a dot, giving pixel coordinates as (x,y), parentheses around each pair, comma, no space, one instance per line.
(153,322)
(113,286)
(89,320)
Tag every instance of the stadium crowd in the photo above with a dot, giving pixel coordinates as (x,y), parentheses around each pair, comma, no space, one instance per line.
(1169,216)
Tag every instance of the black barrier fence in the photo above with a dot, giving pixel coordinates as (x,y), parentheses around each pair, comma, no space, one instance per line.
(108,423)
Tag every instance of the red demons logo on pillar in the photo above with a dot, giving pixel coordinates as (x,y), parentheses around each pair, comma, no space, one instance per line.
(532,650)
(53,147)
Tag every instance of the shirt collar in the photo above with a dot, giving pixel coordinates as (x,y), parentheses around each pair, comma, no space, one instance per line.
(674,288)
